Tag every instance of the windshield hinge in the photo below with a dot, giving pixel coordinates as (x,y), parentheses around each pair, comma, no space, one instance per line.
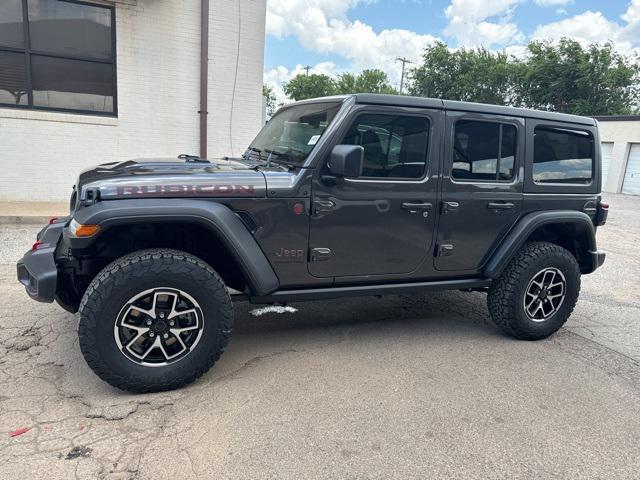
(92,196)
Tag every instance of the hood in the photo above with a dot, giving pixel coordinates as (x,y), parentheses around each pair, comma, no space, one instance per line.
(146,178)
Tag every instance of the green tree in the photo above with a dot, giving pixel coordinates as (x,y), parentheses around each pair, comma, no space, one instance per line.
(367,81)
(567,77)
(475,75)
(302,86)
(269,99)
(563,77)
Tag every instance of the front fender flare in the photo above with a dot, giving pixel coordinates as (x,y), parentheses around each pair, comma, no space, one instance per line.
(218,218)
(519,234)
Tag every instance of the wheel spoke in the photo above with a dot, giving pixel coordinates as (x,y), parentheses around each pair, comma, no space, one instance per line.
(537,284)
(553,277)
(184,346)
(150,313)
(174,303)
(175,313)
(139,333)
(149,349)
(178,331)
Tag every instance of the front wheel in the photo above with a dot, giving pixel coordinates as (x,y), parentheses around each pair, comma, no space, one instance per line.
(154,320)
(536,293)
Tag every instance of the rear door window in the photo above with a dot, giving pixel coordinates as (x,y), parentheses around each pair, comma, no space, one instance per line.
(483,151)
(562,156)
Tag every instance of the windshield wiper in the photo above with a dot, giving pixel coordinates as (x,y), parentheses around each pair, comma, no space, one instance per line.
(270,160)
(247,155)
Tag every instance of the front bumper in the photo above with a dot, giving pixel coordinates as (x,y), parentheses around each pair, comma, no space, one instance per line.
(37,269)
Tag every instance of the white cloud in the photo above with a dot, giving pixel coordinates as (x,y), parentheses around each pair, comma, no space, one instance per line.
(561,11)
(552,3)
(631,31)
(632,15)
(482,22)
(589,27)
(322,26)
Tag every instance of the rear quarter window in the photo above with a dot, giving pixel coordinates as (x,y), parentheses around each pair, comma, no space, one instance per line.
(563,156)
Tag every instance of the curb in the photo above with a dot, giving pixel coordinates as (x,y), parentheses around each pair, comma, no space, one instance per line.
(25,219)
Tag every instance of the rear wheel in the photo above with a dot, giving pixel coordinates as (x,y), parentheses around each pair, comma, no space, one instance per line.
(536,293)
(154,320)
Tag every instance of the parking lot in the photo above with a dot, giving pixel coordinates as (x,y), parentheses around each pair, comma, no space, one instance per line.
(399,387)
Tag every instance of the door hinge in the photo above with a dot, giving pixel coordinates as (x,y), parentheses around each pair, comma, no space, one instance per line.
(449,207)
(320,254)
(445,250)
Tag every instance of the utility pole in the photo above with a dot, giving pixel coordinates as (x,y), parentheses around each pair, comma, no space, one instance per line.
(307,68)
(404,62)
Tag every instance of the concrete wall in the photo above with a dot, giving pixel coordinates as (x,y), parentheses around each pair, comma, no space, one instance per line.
(622,134)
(158,59)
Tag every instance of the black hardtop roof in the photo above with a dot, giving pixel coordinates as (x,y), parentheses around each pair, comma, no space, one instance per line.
(422,102)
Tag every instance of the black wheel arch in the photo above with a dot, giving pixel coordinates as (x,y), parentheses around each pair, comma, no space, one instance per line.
(222,226)
(570,229)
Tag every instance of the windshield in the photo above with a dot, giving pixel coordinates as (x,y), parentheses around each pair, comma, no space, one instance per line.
(292,133)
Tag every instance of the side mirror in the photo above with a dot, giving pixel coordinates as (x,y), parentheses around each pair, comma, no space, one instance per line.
(346,161)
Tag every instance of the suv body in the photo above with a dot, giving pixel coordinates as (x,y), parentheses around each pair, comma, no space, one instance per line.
(339,196)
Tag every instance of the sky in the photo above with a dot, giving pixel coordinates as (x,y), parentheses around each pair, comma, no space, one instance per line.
(335,36)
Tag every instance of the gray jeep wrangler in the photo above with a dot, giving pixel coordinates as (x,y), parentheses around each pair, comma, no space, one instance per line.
(336,197)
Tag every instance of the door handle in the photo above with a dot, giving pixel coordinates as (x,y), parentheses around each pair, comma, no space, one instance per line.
(500,205)
(413,207)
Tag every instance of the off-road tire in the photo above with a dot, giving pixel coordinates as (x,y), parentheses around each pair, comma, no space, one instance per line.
(505,298)
(136,272)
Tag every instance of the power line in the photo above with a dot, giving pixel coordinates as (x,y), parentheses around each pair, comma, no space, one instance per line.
(404,62)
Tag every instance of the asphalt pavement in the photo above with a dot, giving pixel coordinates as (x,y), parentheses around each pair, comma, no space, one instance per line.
(400,387)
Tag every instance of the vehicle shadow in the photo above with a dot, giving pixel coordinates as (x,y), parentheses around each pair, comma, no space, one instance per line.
(455,309)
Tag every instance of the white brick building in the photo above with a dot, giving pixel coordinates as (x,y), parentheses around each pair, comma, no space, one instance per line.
(151,106)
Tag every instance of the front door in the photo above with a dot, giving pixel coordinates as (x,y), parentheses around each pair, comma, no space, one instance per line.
(383,222)
(481,188)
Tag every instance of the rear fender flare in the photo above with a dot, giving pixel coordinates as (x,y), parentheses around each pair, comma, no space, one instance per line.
(220,220)
(519,234)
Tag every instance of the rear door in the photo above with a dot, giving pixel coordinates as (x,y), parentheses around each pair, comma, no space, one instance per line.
(481,189)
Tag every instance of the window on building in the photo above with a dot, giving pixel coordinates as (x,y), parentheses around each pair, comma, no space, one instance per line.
(484,151)
(57,55)
(394,145)
(562,156)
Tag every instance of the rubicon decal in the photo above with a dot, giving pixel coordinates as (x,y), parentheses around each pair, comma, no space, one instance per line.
(181,190)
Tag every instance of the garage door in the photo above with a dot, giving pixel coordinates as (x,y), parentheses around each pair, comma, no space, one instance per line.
(632,174)
(607,148)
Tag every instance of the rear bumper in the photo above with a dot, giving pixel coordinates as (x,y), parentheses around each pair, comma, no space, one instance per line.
(37,269)
(597,259)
